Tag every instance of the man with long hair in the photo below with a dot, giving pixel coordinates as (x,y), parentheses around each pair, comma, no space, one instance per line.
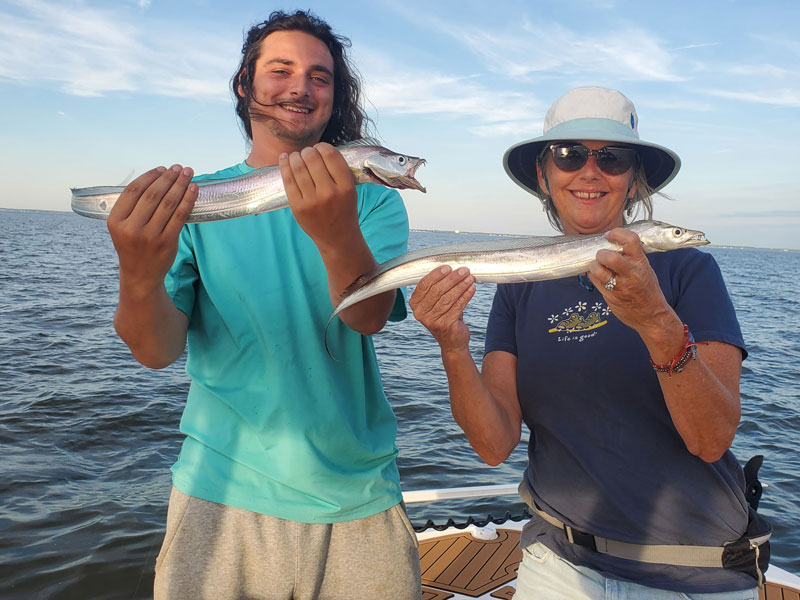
(286,485)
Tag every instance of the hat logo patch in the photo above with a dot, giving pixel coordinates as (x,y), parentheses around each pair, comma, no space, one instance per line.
(633,123)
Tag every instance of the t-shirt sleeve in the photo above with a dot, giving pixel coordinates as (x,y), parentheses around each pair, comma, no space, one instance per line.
(384,224)
(702,301)
(500,329)
(182,276)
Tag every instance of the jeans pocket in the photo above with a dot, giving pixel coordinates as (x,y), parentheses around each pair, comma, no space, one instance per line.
(538,552)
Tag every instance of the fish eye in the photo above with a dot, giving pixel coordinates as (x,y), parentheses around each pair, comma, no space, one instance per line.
(678,231)
(401,160)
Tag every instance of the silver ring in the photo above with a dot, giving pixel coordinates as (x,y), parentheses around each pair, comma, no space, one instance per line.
(611,283)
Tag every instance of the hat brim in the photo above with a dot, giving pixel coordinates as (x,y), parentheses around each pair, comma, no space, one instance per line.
(660,164)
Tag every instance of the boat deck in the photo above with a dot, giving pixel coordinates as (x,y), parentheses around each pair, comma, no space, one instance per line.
(458,564)
(461,563)
(773,591)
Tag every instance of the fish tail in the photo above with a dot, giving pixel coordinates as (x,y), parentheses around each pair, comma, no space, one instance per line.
(345,300)
(325,337)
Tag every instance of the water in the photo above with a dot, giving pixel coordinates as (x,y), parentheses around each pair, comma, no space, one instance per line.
(88,435)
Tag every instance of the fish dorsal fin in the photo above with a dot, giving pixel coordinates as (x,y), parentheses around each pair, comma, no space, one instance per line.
(96,191)
(127,179)
(365,141)
(507,243)
(362,142)
(253,173)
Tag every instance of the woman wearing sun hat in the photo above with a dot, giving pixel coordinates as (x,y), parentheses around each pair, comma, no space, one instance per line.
(627,377)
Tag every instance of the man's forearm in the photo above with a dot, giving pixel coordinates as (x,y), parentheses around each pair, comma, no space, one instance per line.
(344,264)
(152,327)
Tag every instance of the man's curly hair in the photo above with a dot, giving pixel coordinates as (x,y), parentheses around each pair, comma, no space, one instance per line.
(348,120)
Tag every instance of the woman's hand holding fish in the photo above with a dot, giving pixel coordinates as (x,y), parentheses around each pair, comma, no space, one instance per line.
(484,405)
(438,302)
(145,225)
(322,195)
(636,298)
(704,401)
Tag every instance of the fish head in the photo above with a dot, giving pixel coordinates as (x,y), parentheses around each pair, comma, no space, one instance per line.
(392,169)
(659,237)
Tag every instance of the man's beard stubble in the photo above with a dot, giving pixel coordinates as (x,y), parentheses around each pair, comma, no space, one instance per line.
(285,129)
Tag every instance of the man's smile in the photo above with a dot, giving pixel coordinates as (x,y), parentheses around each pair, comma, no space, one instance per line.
(294,108)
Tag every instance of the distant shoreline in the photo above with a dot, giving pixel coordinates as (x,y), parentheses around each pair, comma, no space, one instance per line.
(461,231)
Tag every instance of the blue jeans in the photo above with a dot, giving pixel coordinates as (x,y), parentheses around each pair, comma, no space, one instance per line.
(545,576)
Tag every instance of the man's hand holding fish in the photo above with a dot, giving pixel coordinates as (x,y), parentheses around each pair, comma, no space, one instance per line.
(322,195)
(145,225)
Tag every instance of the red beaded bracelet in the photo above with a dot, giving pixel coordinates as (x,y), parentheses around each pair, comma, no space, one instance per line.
(685,354)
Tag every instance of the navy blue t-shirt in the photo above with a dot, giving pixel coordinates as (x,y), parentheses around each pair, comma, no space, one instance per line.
(604,455)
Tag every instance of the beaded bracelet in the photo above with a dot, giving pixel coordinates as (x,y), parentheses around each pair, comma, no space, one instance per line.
(685,354)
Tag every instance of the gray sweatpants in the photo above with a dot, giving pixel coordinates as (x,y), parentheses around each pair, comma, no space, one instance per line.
(217,552)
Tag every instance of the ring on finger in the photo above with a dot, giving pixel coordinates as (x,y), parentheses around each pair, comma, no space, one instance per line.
(611,283)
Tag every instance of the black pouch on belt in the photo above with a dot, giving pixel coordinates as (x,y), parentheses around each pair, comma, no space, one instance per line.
(750,553)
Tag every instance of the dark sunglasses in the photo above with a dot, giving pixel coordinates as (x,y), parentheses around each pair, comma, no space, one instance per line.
(613,160)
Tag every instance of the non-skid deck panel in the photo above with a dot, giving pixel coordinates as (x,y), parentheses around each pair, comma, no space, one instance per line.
(466,565)
(771,591)
(505,593)
(430,594)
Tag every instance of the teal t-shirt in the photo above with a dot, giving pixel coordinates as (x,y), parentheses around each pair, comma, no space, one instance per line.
(272,423)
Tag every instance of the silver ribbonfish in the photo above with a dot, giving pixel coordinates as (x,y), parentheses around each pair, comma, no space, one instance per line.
(512,260)
(262,190)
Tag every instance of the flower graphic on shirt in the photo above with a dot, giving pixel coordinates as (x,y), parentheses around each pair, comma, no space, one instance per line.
(579,318)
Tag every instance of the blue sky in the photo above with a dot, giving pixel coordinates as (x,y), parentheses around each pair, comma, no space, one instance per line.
(94,92)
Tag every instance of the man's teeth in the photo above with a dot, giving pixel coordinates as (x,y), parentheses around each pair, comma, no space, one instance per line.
(589,195)
(296,109)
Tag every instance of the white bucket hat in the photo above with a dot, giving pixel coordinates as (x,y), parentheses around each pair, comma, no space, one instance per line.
(590,113)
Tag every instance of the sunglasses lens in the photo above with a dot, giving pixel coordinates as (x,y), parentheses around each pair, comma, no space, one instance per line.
(570,157)
(616,161)
(610,159)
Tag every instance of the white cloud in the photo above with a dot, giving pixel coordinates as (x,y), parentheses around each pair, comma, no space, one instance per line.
(511,129)
(491,111)
(778,42)
(693,46)
(765,70)
(778,97)
(88,51)
(631,54)
(673,104)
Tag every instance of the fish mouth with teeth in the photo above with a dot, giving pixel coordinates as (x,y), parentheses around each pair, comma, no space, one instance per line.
(400,181)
